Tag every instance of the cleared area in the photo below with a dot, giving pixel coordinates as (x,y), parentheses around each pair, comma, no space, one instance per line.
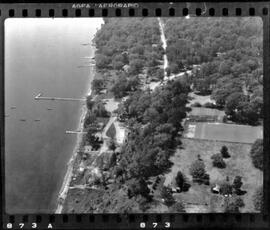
(223,132)
(199,198)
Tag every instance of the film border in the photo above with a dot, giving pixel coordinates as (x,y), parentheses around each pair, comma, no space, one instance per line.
(140,221)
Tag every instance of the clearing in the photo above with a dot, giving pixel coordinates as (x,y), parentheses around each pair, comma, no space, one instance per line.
(223,132)
(199,197)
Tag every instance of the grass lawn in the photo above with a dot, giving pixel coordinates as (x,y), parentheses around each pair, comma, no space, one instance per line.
(111,131)
(224,132)
(199,197)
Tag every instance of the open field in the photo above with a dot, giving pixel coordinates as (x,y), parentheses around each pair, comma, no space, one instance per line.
(199,197)
(223,132)
(199,98)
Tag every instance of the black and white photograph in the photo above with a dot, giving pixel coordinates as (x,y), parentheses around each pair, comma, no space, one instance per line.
(133,115)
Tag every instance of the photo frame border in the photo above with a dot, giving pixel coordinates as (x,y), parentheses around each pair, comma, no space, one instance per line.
(143,9)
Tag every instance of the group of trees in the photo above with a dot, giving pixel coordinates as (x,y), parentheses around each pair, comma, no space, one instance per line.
(124,84)
(229,51)
(154,120)
(95,109)
(198,172)
(256,154)
(218,157)
(128,47)
(133,42)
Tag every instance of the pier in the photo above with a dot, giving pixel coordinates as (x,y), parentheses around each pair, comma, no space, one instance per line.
(75,132)
(39,97)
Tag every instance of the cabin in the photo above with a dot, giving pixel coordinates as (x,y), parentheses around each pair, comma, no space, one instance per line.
(87,149)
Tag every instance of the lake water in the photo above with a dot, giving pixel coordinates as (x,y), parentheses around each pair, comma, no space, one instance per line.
(42,55)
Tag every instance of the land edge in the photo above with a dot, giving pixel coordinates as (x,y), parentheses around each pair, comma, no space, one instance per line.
(69,173)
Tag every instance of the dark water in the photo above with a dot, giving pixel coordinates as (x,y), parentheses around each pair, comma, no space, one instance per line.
(42,55)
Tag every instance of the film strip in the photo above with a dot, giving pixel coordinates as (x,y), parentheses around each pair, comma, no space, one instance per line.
(259,220)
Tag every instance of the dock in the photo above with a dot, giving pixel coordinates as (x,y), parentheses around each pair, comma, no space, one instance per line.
(75,132)
(39,97)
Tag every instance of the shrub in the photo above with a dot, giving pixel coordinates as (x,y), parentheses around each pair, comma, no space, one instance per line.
(181,181)
(224,152)
(237,183)
(209,105)
(111,144)
(218,161)
(97,85)
(197,171)
(225,189)
(166,194)
(178,207)
(100,110)
(233,205)
(89,119)
(118,171)
(196,104)
(258,199)
(89,102)
(136,187)
(256,153)
(239,202)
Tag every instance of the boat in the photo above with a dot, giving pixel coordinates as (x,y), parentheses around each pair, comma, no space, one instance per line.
(22,119)
(13,107)
(37,119)
(49,109)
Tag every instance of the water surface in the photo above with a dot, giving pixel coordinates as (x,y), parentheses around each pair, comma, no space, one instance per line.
(42,55)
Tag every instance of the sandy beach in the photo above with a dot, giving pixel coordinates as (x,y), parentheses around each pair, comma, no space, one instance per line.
(68,176)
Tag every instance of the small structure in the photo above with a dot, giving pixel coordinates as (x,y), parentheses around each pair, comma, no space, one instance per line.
(87,149)
(126,68)
(215,189)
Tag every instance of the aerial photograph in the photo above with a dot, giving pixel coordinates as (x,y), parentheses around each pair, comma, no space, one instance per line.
(134,115)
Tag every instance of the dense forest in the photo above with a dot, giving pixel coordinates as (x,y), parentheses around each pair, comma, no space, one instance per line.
(225,57)
(229,52)
(128,48)
(154,120)
(127,52)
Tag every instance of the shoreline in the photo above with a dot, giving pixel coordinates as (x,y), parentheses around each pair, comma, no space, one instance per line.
(69,173)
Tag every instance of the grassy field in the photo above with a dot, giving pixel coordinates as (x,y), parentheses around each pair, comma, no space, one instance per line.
(223,132)
(111,131)
(199,197)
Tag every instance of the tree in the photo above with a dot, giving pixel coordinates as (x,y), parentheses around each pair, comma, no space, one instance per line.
(237,183)
(89,119)
(218,161)
(92,139)
(226,188)
(89,102)
(256,154)
(100,110)
(179,179)
(166,194)
(224,152)
(258,199)
(97,85)
(113,159)
(197,171)
(102,61)
(136,187)
(111,144)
